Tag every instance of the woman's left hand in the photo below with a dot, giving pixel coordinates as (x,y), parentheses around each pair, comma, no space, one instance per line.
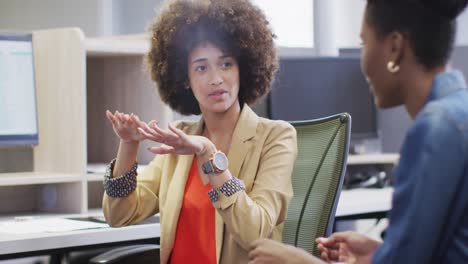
(174,140)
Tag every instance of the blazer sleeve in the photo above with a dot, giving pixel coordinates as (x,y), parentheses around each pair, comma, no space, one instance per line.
(254,215)
(140,204)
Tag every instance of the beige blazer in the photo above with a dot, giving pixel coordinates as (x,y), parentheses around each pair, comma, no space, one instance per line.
(262,154)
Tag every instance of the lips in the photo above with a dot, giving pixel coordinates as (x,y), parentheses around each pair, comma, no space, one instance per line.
(217,92)
(217,95)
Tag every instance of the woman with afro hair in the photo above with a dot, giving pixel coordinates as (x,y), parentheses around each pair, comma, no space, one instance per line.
(224,181)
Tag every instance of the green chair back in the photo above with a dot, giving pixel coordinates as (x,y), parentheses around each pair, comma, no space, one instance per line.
(317,179)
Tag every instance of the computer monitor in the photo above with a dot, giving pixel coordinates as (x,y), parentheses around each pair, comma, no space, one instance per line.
(310,88)
(18,109)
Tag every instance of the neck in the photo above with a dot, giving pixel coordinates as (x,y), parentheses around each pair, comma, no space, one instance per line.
(418,83)
(219,127)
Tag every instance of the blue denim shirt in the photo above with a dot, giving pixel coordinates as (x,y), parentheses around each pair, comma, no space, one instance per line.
(429,216)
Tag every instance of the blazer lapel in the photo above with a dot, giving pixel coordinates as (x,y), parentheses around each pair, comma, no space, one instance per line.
(176,190)
(244,132)
(172,212)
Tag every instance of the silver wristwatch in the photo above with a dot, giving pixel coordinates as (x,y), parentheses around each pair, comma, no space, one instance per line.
(216,164)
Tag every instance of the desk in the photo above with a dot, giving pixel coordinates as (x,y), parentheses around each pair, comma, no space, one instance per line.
(352,204)
(364,203)
(15,246)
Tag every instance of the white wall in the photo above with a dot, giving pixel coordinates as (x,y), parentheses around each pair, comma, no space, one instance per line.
(106,17)
(462,34)
(132,17)
(348,20)
(89,15)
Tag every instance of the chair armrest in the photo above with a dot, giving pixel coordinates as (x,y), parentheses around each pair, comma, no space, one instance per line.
(144,253)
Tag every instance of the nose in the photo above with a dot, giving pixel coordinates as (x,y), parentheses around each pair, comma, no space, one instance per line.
(216,79)
(217,82)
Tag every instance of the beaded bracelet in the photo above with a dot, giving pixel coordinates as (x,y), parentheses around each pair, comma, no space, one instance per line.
(228,188)
(120,186)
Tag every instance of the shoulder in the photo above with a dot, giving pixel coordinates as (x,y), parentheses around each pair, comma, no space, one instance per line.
(440,122)
(276,132)
(275,126)
(450,112)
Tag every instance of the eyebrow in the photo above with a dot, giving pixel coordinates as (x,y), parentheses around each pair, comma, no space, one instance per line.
(199,60)
(205,59)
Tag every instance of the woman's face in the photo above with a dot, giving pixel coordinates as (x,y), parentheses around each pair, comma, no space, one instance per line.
(214,78)
(375,56)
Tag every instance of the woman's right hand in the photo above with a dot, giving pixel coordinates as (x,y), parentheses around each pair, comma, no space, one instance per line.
(126,126)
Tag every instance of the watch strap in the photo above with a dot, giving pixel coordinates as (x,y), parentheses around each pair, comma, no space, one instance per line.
(207,167)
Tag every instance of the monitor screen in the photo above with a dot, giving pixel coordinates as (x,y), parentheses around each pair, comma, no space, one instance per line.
(18,116)
(310,88)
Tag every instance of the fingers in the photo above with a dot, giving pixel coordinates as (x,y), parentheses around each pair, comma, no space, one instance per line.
(111,118)
(152,123)
(330,255)
(174,139)
(324,256)
(334,255)
(149,135)
(343,254)
(177,131)
(137,121)
(327,244)
(255,243)
(323,252)
(255,248)
(152,134)
(118,118)
(167,134)
(332,240)
(162,150)
(329,248)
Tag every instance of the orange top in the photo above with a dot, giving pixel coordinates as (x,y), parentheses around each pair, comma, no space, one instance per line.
(195,239)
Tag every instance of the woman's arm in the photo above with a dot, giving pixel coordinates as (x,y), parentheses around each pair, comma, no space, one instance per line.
(254,215)
(123,197)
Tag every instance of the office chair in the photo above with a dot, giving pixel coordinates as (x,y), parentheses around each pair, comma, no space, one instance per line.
(134,254)
(317,179)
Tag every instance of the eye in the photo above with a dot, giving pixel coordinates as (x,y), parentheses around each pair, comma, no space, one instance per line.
(200,68)
(227,65)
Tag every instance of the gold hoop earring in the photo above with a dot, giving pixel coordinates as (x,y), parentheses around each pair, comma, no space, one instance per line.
(392,67)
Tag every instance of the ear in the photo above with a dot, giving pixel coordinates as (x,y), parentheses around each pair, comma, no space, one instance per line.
(187,85)
(396,41)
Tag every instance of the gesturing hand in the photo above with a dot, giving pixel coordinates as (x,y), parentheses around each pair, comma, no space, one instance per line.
(349,247)
(267,251)
(175,140)
(126,126)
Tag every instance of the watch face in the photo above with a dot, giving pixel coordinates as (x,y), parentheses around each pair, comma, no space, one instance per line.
(220,161)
